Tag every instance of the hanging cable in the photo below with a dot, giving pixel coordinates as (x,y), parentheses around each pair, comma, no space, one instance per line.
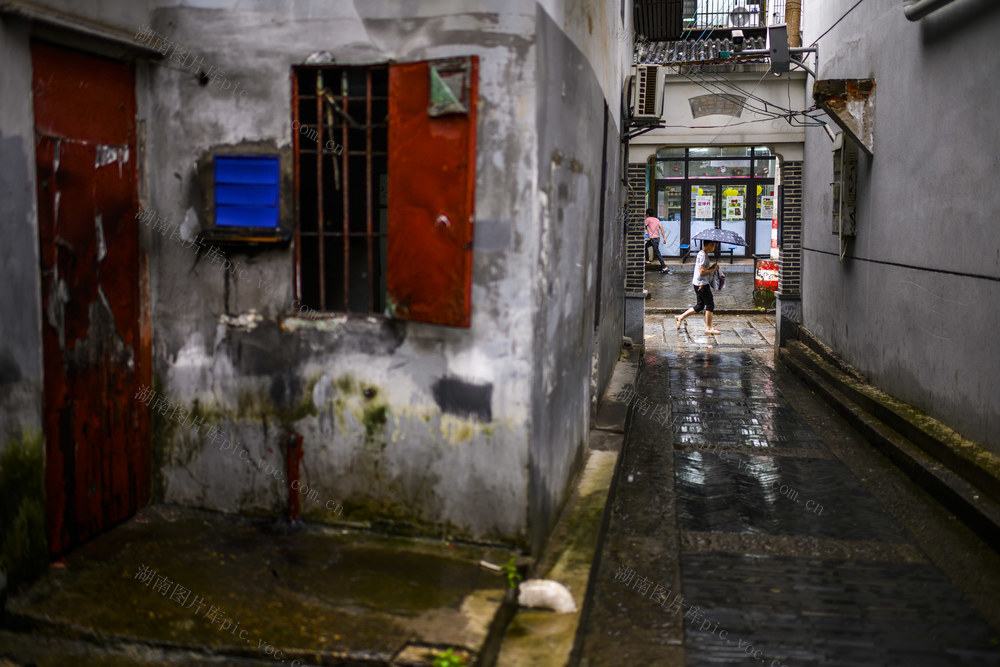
(816,41)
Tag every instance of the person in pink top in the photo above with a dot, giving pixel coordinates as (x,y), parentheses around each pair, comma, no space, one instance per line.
(655,232)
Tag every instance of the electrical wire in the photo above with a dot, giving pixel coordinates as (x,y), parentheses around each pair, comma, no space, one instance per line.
(786,114)
(720,85)
(717,89)
(722,82)
(756,85)
(816,41)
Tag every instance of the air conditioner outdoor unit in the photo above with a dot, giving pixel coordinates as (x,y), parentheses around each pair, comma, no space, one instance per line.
(845,186)
(745,16)
(649,92)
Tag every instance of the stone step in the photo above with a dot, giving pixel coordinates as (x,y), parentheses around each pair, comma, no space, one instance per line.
(954,471)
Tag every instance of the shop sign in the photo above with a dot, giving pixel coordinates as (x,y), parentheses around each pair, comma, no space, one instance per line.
(734,207)
(767,275)
(703,207)
(766,207)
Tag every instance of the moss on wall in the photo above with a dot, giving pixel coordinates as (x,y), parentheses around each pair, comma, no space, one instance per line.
(23,545)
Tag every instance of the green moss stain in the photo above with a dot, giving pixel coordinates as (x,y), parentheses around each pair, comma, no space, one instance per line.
(364,401)
(345,384)
(374,418)
(23,546)
(305,407)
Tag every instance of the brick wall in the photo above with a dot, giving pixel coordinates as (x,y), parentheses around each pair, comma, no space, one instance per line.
(635,265)
(790,281)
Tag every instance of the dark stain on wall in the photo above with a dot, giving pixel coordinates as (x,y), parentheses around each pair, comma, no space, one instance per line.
(465,399)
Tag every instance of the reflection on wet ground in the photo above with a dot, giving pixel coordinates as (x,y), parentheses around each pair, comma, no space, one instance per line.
(738,505)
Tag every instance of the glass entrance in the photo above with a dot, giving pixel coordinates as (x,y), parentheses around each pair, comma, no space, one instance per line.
(703,200)
(766,203)
(719,205)
(728,187)
(733,214)
(668,210)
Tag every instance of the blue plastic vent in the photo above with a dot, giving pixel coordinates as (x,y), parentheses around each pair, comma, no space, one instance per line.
(246,190)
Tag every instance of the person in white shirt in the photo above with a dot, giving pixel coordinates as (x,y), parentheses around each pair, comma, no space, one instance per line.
(702,290)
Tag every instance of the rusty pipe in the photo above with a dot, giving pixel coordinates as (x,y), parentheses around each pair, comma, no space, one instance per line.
(293,457)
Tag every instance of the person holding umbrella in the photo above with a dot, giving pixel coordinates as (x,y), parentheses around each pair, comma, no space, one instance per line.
(702,289)
(710,239)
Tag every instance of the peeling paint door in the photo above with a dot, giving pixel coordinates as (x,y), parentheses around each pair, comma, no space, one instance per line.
(432,178)
(95,351)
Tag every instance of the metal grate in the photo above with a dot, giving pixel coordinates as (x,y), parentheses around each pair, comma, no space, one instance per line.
(662,20)
(711,14)
(341,180)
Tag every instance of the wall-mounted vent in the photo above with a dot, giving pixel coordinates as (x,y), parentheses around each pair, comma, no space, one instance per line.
(246,191)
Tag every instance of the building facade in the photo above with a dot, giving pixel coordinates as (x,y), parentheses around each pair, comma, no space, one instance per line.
(358,263)
(713,133)
(900,274)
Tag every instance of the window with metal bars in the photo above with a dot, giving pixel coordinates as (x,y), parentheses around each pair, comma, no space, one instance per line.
(341,161)
(384,188)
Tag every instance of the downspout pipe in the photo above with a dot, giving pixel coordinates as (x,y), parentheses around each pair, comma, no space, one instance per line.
(918,9)
(793,17)
(293,457)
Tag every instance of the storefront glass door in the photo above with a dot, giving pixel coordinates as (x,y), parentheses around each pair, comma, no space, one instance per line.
(715,205)
(733,214)
(668,210)
(766,202)
(703,209)
(704,187)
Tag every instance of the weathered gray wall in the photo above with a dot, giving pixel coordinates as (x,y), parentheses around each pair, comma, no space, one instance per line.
(22,508)
(915,305)
(570,116)
(611,255)
(390,431)
(20,299)
(378,438)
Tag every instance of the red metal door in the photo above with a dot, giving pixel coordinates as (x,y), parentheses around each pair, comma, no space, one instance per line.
(95,352)
(432,178)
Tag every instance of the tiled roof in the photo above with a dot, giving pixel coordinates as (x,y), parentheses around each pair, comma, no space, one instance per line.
(689,51)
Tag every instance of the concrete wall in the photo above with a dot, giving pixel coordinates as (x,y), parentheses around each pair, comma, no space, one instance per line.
(570,117)
(22,500)
(915,304)
(380,439)
(602,33)
(472,433)
(611,278)
(20,349)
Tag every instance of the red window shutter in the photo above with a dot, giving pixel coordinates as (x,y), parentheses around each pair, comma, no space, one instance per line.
(432,177)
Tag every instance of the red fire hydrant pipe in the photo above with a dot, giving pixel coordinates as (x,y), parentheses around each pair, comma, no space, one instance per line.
(293,458)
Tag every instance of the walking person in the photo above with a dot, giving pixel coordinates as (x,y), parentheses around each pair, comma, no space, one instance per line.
(702,289)
(655,231)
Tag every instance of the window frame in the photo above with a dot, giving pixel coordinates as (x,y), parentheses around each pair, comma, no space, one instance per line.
(429,205)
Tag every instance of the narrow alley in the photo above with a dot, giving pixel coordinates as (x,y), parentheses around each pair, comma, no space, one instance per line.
(751,525)
(541,333)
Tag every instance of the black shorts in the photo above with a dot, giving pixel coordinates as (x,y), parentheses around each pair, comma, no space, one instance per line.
(705,300)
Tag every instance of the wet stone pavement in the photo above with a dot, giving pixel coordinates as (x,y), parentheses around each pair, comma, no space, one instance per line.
(673,293)
(749,525)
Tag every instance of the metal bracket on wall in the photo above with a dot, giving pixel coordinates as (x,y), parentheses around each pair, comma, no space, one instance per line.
(629,135)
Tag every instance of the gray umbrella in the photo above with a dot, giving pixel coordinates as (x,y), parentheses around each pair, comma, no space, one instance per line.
(720,235)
